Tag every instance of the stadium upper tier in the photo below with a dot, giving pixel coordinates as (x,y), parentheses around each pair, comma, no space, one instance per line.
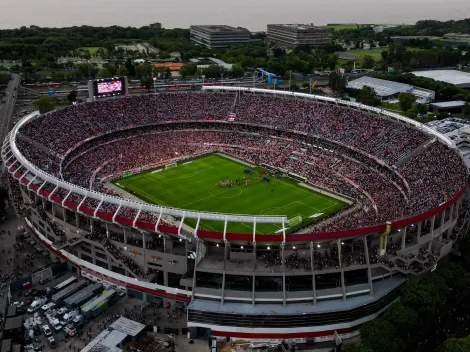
(394,172)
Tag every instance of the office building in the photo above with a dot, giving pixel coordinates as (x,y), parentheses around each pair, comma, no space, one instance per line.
(216,36)
(294,35)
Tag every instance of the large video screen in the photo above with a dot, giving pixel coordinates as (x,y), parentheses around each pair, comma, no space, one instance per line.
(109,87)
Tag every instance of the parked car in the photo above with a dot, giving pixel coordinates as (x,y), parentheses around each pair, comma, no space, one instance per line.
(51,341)
(47,330)
(70,330)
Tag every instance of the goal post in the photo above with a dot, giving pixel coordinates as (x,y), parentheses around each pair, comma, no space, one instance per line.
(170,165)
(296,220)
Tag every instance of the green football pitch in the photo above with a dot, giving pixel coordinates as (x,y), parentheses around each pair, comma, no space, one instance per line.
(198,184)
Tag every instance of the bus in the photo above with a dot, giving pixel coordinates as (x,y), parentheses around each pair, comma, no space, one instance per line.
(65,283)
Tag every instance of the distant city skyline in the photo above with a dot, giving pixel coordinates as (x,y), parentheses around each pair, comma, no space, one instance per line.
(254,15)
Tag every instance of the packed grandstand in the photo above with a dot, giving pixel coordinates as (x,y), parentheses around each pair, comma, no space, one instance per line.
(347,151)
(404,185)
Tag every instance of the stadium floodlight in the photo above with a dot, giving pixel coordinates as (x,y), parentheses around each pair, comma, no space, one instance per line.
(318,245)
(241,247)
(269,248)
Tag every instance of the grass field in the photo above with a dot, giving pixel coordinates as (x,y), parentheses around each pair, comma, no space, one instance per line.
(91,49)
(195,185)
(376,53)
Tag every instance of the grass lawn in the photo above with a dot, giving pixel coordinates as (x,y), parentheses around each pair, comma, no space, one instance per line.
(91,49)
(393,107)
(196,185)
(376,53)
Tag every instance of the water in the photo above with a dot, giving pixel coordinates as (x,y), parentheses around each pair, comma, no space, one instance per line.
(252,14)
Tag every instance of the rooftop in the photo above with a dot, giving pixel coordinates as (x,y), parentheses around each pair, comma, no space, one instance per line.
(458,78)
(127,326)
(102,343)
(299,27)
(382,87)
(450,104)
(220,28)
(456,129)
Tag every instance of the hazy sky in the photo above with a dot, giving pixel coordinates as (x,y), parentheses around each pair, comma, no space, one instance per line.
(253,14)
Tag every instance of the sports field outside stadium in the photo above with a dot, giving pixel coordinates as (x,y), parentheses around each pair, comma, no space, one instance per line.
(202,184)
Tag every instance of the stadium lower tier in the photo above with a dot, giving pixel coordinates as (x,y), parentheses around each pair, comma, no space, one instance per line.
(256,291)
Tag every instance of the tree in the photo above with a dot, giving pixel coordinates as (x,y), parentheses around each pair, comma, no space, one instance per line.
(404,318)
(422,109)
(337,81)
(146,82)
(333,61)
(466,110)
(111,68)
(380,335)
(406,101)
(130,67)
(237,71)
(368,96)
(45,104)
(368,62)
(426,296)
(4,78)
(104,73)
(72,96)
(456,345)
(354,347)
(122,71)
(88,70)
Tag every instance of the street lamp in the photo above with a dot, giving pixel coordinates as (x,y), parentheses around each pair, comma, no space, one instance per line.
(155,86)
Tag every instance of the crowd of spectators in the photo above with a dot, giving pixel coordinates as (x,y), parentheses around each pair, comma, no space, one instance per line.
(325,149)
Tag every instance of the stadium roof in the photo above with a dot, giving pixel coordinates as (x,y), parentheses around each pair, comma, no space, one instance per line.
(127,326)
(382,87)
(449,104)
(457,78)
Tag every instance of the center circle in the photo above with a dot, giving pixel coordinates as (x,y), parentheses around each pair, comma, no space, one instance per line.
(225,193)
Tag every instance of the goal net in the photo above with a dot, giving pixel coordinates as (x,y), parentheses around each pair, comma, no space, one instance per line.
(295,220)
(168,166)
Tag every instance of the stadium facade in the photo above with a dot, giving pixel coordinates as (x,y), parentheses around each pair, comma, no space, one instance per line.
(308,284)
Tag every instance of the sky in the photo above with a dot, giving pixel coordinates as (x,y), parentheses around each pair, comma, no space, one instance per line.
(252,14)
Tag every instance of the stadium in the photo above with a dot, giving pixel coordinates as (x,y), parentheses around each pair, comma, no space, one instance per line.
(272,215)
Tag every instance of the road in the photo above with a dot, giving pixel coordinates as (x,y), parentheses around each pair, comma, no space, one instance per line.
(6,110)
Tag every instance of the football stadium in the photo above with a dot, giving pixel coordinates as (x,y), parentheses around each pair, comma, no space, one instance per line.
(269,214)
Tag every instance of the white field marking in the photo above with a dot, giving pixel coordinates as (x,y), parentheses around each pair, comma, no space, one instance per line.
(189,162)
(211,196)
(286,206)
(315,215)
(157,170)
(137,189)
(281,230)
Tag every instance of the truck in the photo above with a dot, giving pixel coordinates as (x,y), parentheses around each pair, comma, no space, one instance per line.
(68,317)
(98,305)
(36,304)
(81,297)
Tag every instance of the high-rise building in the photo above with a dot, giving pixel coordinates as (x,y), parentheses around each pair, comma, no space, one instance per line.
(219,36)
(293,35)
